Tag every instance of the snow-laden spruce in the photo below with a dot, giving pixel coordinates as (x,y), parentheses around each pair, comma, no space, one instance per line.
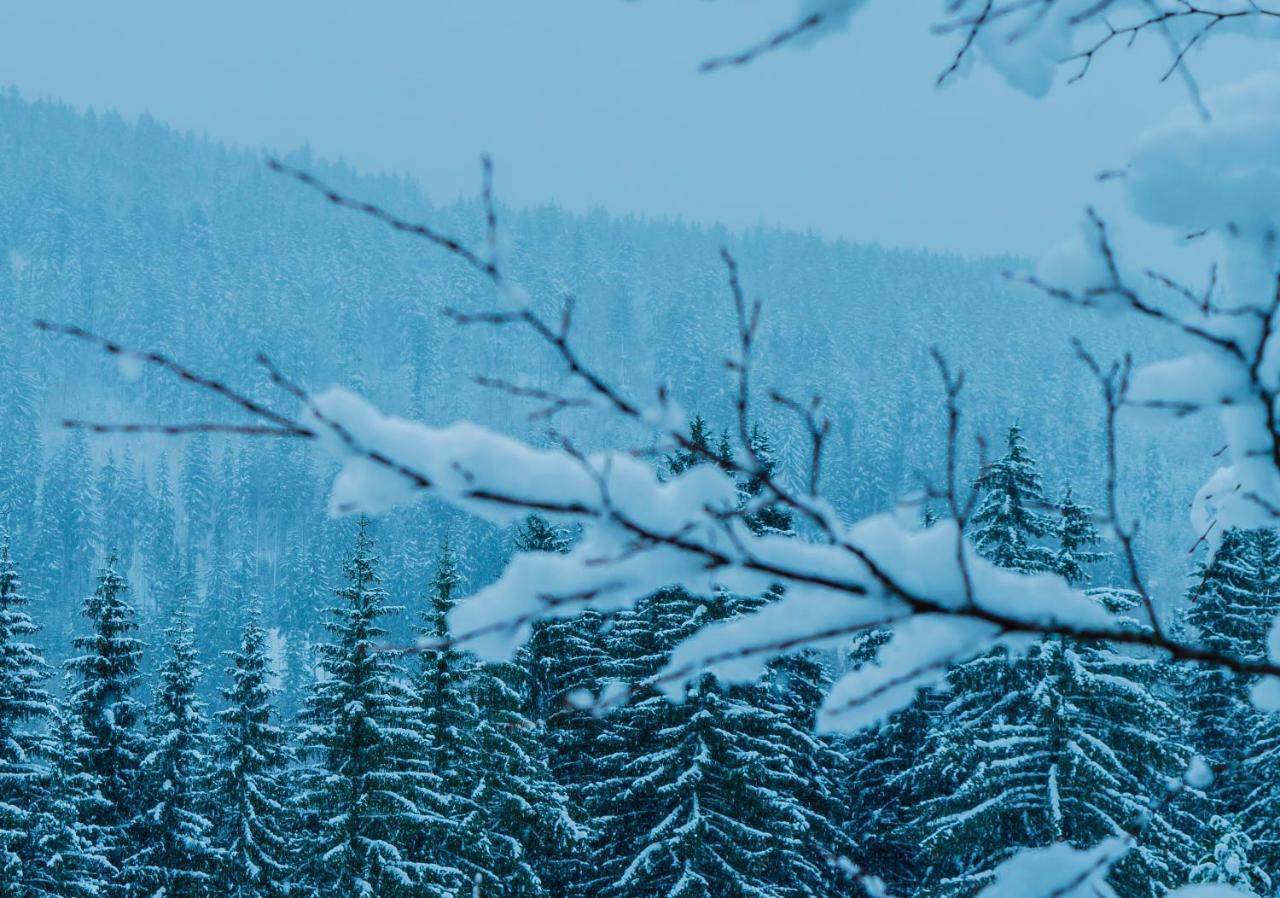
(172,849)
(255,819)
(25,707)
(374,808)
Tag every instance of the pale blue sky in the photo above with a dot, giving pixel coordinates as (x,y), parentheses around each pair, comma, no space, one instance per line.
(597,102)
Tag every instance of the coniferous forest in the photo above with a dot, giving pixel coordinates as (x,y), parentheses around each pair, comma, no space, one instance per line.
(152,763)
(358,544)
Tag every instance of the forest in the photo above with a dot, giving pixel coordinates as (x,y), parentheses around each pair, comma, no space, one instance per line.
(357,543)
(504,777)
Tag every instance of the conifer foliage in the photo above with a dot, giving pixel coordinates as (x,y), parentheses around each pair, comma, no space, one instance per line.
(254,817)
(1009,520)
(107,747)
(361,731)
(171,834)
(25,706)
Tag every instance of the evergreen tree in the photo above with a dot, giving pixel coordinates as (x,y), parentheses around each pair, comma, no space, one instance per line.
(171,835)
(531,833)
(24,706)
(565,657)
(108,748)
(513,820)
(71,850)
(1070,744)
(1077,537)
(719,794)
(700,451)
(159,536)
(1228,862)
(1231,606)
(772,517)
(67,525)
(368,790)
(449,715)
(254,817)
(20,447)
(1007,521)
(881,769)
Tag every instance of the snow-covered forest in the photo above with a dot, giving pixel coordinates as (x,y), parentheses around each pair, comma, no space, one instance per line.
(353,543)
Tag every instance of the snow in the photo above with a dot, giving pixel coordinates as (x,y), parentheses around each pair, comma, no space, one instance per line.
(1189,173)
(917,657)
(1210,890)
(1198,774)
(834,587)
(1059,871)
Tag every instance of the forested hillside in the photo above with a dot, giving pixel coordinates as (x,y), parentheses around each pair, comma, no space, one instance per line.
(170,242)
(263,700)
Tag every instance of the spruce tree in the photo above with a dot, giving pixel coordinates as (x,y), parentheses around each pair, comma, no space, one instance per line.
(254,816)
(512,821)
(1070,744)
(25,706)
(772,517)
(1008,521)
(1077,539)
(1230,607)
(880,769)
(699,451)
(1228,861)
(448,716)
(565,658)
(71,850)
(197,494)
(171,835)
(531,832)
(723,793)
(368,791)
(67,527)
(108,748)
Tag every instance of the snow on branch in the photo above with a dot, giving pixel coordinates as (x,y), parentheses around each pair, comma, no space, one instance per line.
(640,534)
(1028,41)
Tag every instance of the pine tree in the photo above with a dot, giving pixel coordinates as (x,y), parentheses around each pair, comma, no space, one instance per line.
(368,788)
(171,834)
(449,715)
(254,817)
(1077,537)
(514,824)
(108,747)
(699,452)
(1007,521)
(1228,862)
(565,657)
(772,517)
(159,536)
(1230,608)
(71,850)
(25,706)
(67,526)
(526,814)
(881,769)
(720,794)
(708,805)
(1070,744)
(20,447)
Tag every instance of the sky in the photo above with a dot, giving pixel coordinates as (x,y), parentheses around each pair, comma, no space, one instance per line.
(598,103)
